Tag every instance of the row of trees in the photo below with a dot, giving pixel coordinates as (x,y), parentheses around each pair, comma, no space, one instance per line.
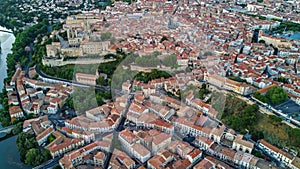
(275,95)
(154,74)
(64,72)
(4,113)
(287,26)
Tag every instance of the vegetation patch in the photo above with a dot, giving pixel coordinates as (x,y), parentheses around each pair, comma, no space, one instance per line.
(275,95)
(154,74)
(242,117)
(29,151)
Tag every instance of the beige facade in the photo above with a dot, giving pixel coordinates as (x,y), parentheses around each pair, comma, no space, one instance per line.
(84,78)
(53,49)
(93,48)
(86,48)
(274,40)
(72,52)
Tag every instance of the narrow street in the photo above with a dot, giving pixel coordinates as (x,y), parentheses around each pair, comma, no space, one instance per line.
(119,128)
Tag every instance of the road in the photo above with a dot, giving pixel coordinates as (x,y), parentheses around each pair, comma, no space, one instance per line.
(267,110)
(30,59)
(19,99)
(7,129)
(56,118)
(43,75)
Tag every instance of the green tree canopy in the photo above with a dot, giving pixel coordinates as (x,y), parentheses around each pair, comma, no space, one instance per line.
(100,81)
(276,95)
(36,157)
(25,142)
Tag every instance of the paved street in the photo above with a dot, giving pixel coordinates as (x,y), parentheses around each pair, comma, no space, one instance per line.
(119,128)
(290,108)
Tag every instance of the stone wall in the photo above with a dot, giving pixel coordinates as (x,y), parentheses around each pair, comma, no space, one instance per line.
(83,61)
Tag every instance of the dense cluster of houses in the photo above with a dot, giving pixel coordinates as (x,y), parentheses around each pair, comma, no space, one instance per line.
(204,35)
(215,26)
(28,96)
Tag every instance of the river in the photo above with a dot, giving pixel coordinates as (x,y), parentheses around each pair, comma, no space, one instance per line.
(295,36)
(10,158)
(3,67)
(6,41)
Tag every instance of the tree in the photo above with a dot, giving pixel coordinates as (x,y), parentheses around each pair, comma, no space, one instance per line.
(50,138)
(203,91)
(282,79)
(69,102)
(208,53)
(84,99)
(257,135)
(275,119)
(129,59)
(203,86)
(156,53)
(238,115)
(33,157)
(262,41)
(260,97)
(36,157)
(163,39)
(100,81)
(17,128)
(154,74)
(25,142)
(112,40)
(276,95)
